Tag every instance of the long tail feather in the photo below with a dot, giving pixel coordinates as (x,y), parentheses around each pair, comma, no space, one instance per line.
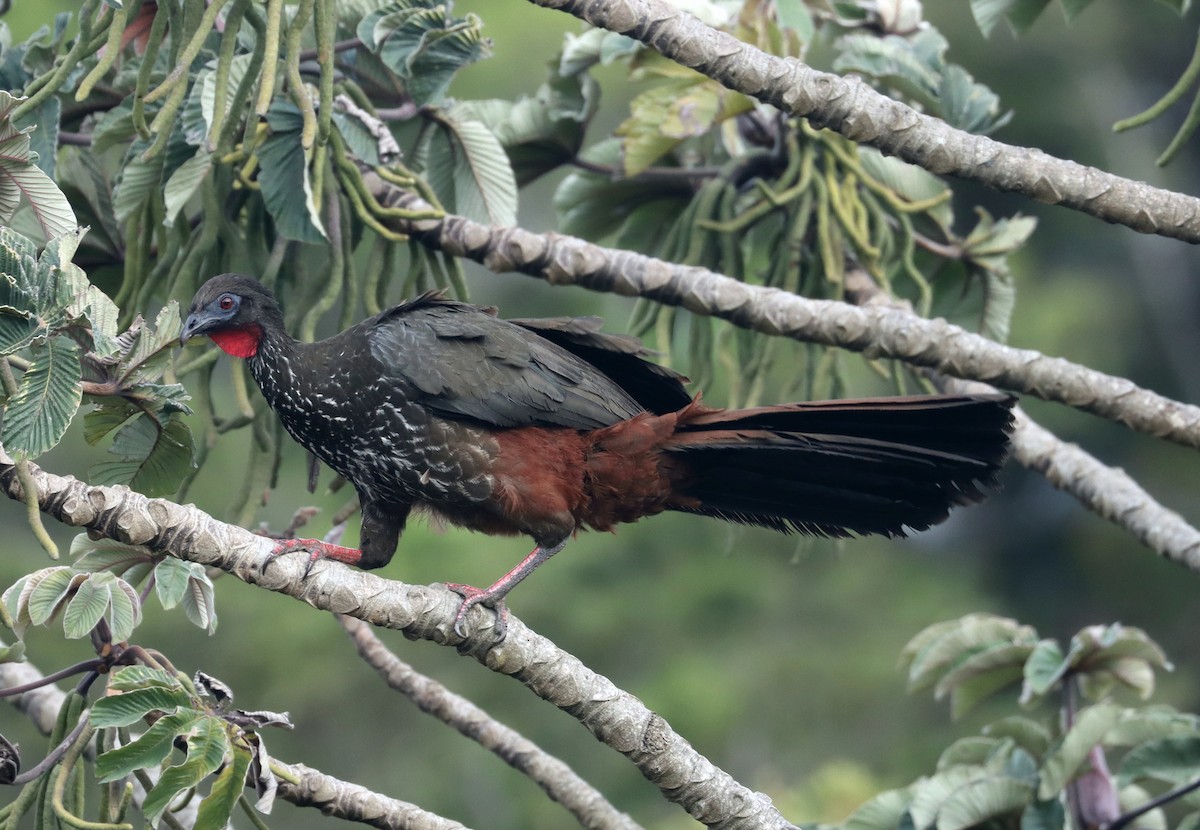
(835,468)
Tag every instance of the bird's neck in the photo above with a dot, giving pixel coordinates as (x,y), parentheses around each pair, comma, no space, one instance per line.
(271,359)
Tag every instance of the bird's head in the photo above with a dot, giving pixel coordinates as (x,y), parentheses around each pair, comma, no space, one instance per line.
(232,310)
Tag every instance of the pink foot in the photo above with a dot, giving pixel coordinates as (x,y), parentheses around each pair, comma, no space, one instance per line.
(317,550)
(477,596)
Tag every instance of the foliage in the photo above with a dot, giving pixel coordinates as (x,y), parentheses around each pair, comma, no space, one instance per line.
(1023,771)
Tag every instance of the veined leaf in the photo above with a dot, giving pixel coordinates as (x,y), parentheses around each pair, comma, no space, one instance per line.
(130,707)
(1092,723)
(1175,760)
(208,747)
(1020,13)
(423,46)
(137,182)
(47,399)
(149,749)
(85,609)
(1043,670)
(200,601)
(1028,734)
(284,178)
(130,562)
(931,793)
(882,812)
(474,172)
(22,181)
(184,182)
(43,595)
(127,678)
(216,808)
(956,643)
(981,800)
(154,458)
(1044,815)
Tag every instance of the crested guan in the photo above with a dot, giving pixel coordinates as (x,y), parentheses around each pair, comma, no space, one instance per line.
(544,427)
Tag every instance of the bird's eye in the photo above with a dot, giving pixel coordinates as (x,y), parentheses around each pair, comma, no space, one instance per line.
(226,302)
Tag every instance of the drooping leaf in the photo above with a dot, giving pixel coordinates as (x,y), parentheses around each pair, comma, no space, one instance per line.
(1028,734)
(200,601)
(154,458)
(208,747)
(954,643)
(216,808)
(1044,815)
(130,562)
(979,801)
(882,812)
(423,45)
(128,678)
(130,707)
(1020,13)
(1175,760)
(184,182)
(150,748)
(138,182)
(285,180)
(1066,759)
(87,606)
(929,794)
(45,592)
(474,172)
(23,182)
(46,401)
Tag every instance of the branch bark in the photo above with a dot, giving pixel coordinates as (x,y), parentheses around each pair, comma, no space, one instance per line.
(850,107)
(613,716)
(589,807)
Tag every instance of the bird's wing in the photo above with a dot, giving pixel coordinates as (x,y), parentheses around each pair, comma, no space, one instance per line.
(620,356)
(464,362)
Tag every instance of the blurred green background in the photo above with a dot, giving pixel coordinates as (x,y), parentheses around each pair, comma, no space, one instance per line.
(774,658)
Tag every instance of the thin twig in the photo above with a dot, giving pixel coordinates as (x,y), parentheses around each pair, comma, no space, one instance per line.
(556,779)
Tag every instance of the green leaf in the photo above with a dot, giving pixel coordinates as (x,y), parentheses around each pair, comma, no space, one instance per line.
(978,801)
(1020,13)
(1001,657)
(14,653)
(47,399)
(1175,760)
(215,810)
(1045,667)
(200,602)
(470,171)
(105,418)
(882,812)
(171,577)
(150,748)
(42,124)
(1044,815)
(138,182)
(594,205)
(954,644)
(284,178)
(1092,723)
(154,458)
(85,609)
(424,47)
(23,182)
(1028,734)
(595,46)
(128,678)
(208,746)
(1150,723)
(130,707)
(130,562)
(126,610)
(929,794)
(46,591)
(973,750)
(184,182)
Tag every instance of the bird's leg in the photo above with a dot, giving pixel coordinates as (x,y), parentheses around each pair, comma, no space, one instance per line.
(493,596)
(318,550)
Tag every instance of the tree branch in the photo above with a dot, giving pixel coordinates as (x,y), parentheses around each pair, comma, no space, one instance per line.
(352,802)
(876,331)
(613,716)
(560,782)
(852,108)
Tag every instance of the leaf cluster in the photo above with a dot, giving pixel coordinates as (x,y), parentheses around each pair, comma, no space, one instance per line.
(1026,771)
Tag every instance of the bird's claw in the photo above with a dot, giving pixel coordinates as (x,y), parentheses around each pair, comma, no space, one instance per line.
(473,596)
(316,550)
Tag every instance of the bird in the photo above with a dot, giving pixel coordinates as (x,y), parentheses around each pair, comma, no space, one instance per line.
(545,427)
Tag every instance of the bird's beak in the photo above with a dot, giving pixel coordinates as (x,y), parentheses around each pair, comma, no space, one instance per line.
(195,324)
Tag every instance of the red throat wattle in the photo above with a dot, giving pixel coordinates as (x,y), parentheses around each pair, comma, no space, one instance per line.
(239,342)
